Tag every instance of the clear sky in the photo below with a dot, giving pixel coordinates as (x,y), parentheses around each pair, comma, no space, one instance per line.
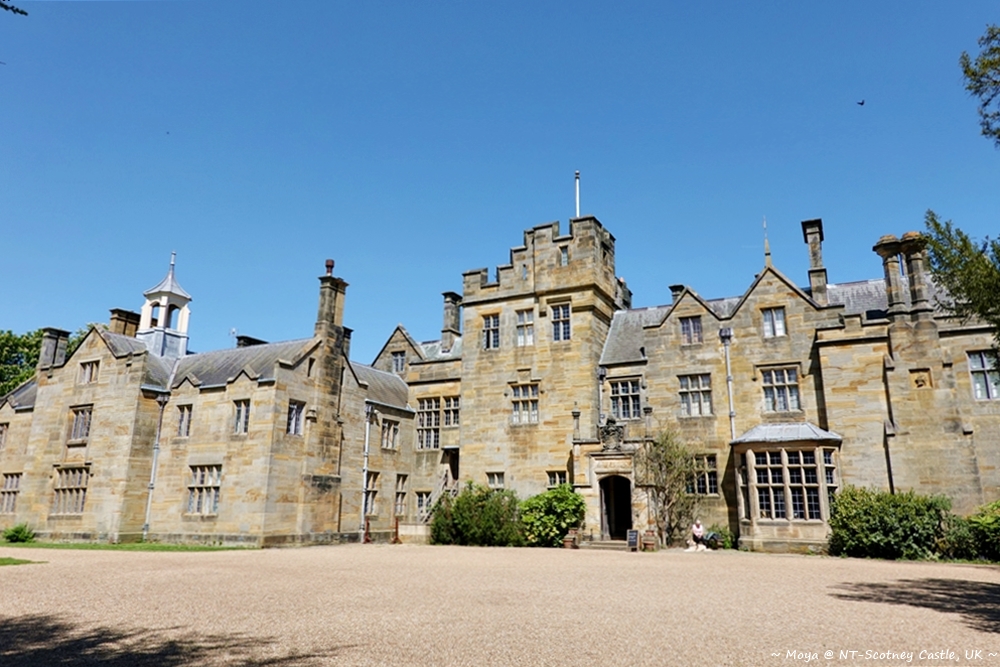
(412,141)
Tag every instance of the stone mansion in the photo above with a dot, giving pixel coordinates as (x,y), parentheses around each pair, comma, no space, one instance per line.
(544,374)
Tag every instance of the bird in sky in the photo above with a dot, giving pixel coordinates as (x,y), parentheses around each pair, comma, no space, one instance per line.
(861,103)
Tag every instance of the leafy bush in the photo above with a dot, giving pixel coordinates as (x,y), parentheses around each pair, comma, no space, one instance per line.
(478,516)
(19,533)
(866,523)
(726,539)
(959,540)
(985,528)
(547,517)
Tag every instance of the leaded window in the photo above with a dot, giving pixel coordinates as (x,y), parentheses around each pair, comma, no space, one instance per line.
(625,399)
(985,376)
(695,395)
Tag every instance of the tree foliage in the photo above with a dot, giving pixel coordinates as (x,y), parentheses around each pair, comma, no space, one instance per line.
(11,8)
(19,355)
(982,80)
(548,516)
(664,468)
(968,270)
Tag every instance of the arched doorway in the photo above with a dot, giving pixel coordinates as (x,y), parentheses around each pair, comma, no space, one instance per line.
(616,507)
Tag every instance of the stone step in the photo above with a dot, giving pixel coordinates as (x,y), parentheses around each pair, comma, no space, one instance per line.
(606,545)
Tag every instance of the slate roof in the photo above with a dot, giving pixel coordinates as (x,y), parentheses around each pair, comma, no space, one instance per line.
(120,344)
(797,432)
(22,397)
(626,335)
(208,369)
(385,388)
(866,298)
(432,350)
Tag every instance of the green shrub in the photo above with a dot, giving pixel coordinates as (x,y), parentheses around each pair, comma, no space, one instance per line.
(985,527)
(478,516)
(547,517)
(726,539)
(958,541)
(866,523)
(19,533)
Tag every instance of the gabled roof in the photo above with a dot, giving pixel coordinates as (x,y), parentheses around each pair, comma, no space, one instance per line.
(210,369)
(796,432)
(626,334)
(384,388)
(409,339)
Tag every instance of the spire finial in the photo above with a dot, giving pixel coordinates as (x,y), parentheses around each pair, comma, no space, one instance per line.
(767,246)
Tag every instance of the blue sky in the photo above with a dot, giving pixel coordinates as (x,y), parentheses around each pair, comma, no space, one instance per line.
(414,141)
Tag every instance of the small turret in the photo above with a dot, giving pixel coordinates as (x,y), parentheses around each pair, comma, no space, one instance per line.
(163,321)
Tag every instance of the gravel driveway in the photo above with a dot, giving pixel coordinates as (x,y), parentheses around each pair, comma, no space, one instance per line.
(419,605)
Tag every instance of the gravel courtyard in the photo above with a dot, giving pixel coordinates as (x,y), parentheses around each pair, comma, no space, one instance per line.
(418,605)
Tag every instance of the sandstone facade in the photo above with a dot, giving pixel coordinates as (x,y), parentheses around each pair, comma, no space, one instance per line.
(544,374)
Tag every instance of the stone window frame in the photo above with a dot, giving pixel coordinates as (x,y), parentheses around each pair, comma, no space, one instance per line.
(495,480)
(69,497)
(9,490)
(184,413)
(561,315)
(241,416)
(556,478)
(695,391)
(563,255)
(399,507)
(424,504)
(204,490)
(4,429)
(706,475)
(371,493)
(525,327)
(80,424)
(984,373)
(775,482)
(398,361)
(524,404)
(491,331)
(389,433)
(450,411)
(429,423)
(296,417)
(691,331)
(626,406)
(770,380)
(773,322)
(89,372)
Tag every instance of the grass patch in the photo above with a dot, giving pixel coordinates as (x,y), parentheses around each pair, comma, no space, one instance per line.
(14,561)
(132,546)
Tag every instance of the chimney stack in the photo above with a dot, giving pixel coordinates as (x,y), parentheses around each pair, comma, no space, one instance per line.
(675,292)
(888,249)
(124,322)
(331,302)
(912,246)
(452,327)
(53,351)
(812,234)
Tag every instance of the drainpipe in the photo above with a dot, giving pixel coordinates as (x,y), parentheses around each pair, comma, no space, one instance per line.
(726,334)
(369,414)
(161,400)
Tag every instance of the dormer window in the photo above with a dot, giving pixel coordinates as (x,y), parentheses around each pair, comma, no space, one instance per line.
(690,330)
(398,362)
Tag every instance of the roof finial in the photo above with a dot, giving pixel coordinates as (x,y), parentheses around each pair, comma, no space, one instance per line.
(578,193)
(767,246)
(173,260)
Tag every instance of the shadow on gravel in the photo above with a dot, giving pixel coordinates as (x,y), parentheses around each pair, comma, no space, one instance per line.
(49,640)
(977,602)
